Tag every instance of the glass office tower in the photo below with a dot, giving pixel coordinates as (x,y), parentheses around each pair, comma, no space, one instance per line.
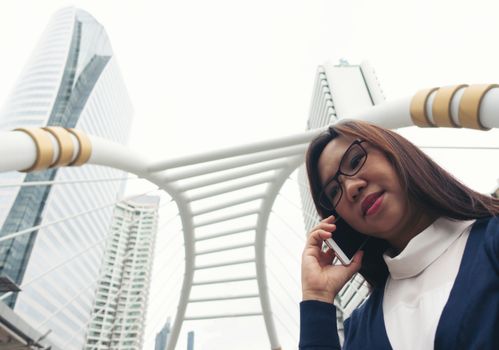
(162,336)
(72,80)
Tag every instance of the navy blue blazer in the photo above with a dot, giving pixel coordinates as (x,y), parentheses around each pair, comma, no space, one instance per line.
(469,320)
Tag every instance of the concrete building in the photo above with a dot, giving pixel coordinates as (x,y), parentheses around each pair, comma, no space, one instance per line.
(119,311)
(72,80)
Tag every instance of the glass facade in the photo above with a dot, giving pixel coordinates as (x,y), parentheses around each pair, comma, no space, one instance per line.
(190,340)
(162,336)
(71,80)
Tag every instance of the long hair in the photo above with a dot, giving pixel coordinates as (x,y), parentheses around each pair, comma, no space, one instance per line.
(425,182)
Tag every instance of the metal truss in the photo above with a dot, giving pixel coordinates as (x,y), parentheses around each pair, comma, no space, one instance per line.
(236,186)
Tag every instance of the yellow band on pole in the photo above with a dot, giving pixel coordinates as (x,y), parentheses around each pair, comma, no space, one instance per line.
(441,108)
(418,108)
(44,148)
(469,106)
(66,146)
(85,149)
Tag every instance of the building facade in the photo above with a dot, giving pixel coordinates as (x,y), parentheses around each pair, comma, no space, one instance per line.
(337,90)
(119,311)
(162,336)
(71,80)
(190,340)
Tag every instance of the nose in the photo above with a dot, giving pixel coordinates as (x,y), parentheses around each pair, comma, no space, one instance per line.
(353,187)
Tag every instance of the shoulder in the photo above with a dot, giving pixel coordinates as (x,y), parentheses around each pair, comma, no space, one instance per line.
(492,239)
(488,230)
(366,322)
(369,310)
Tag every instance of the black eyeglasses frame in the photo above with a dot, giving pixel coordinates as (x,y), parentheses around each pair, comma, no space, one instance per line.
(322,194)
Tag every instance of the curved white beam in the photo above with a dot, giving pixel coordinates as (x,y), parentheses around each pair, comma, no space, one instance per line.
(261,231)
(280,142)
(397,113)
(475,107)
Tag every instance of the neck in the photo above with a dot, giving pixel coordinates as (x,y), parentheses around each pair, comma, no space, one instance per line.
(411,229)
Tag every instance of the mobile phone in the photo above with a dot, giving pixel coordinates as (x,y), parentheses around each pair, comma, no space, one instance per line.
(346,241)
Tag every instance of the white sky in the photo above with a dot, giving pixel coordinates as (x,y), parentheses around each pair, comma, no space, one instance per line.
(209,74)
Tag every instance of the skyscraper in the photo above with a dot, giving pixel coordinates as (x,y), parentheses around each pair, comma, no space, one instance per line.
(338,91)
(162,336)
(190,340)
(118,315)
(72,80)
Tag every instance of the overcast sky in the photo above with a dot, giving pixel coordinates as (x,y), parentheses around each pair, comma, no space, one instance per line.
(210,74)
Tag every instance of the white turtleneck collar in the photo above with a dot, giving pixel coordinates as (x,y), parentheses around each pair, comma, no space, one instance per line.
(420,281)
(425,248)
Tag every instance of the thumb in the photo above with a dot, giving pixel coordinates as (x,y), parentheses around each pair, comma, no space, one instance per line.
(356,263)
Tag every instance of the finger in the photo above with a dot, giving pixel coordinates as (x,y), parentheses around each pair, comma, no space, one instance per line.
(317,237)
(326,223)
(329,219)
(345,272)
(313,246)
(326,258)
(323,227)
(356,262)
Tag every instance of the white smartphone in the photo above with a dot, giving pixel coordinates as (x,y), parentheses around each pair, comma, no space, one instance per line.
(346,241)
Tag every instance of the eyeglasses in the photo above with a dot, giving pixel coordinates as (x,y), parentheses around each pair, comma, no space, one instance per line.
(351,162)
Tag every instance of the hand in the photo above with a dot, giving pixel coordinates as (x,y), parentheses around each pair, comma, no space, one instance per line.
(320,280)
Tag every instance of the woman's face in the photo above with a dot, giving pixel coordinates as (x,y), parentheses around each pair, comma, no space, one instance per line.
(373,201)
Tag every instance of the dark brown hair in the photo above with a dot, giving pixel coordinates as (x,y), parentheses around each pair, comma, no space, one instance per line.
(425,182)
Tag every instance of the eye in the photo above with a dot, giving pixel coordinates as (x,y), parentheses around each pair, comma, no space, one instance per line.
(334,191)
(356,161)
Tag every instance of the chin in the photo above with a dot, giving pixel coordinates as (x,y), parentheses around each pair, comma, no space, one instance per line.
(380,230)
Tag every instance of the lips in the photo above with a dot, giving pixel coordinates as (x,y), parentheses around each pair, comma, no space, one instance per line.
(369,201)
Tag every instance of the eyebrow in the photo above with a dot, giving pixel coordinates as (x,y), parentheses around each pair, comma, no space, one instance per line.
(330,179)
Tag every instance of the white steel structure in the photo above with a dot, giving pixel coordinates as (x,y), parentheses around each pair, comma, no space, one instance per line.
(71,80)
(118,316)
(208,188)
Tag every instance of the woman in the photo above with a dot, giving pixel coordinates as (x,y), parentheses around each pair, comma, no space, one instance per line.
(432,258)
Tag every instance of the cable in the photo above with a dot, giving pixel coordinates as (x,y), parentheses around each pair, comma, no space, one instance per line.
(53,268)
(282,287)
(292,256)
(34,228)
(460,147)
(169,276)
(301,184)
(160,320)
(164,224)
(70,301)
(109,270)
(283,265)
(278,301)
(286,328)
(102,309)
(302,238)
(65,182)
(310,216)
